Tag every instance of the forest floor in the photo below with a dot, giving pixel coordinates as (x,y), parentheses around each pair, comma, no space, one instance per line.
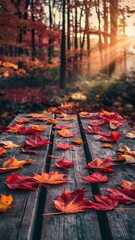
(81,94)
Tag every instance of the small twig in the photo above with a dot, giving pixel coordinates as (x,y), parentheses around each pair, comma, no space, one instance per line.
(49,214)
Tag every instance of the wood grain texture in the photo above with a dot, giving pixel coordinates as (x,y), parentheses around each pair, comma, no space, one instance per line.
(81,226)
(122,219)
(17,223)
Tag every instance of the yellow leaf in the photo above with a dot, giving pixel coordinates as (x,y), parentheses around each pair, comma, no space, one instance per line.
(65,133)
(52,120)
(63,115)
(67,119)
(107,145)
(84,113)
(131,134)
(78,141)
(38,127)
(9,144)
(106,112)
(5,202)
(35,115)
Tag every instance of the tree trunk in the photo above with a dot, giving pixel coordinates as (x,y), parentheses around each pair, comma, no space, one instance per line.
(68,26)
(63,51)
(113,39)
(50,48)
(33,54)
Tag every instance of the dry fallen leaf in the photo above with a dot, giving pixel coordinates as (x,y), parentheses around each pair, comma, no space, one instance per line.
(113,126)
(52,120)
(72,202)
(128,185)
(130,134)
(65,133)
(67,119)
(95,177)
(2,151)
(9,144)
(78,141)
(5,202)
(35,115)
(15,181)
(38,128)
(129,158)
(122,195)
(50,178)
(22,120)
(13,164)
(63,164)
(107,145)
(63,115)
(64,146)
(104,203)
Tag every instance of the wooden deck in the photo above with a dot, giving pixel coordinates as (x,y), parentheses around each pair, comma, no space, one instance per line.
(25,221)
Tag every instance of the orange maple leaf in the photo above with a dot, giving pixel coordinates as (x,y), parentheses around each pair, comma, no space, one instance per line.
(72,202)
(67,119)
(2,151)
(35,115)
(78,141)
(13,164)
(65,133)
(52,120)
(38,128)
(9,144)
(23,120)
(5,202)
(128,185)
(50,178)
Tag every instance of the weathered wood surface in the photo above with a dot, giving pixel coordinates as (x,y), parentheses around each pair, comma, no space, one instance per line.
(19,223)
(69,226)
(122,219)
(25,220)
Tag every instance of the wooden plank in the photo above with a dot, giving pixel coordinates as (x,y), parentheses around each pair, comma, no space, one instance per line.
(18,222)
(122,219)
(69,226)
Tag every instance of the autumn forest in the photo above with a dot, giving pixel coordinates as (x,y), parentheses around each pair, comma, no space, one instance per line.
(67,54)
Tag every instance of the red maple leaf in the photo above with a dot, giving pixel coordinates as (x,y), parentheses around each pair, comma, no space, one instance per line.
(115,118)
(64,164)
(64,146)
(20,182)
(97,122)
(72,202)
(123,195)
(113,136)
(103,203)
(93,129)
(90,115)
(23,130)
(35,142)
(95,177)
(102,165)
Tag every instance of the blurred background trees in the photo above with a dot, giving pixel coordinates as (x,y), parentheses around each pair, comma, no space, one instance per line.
(69,34)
